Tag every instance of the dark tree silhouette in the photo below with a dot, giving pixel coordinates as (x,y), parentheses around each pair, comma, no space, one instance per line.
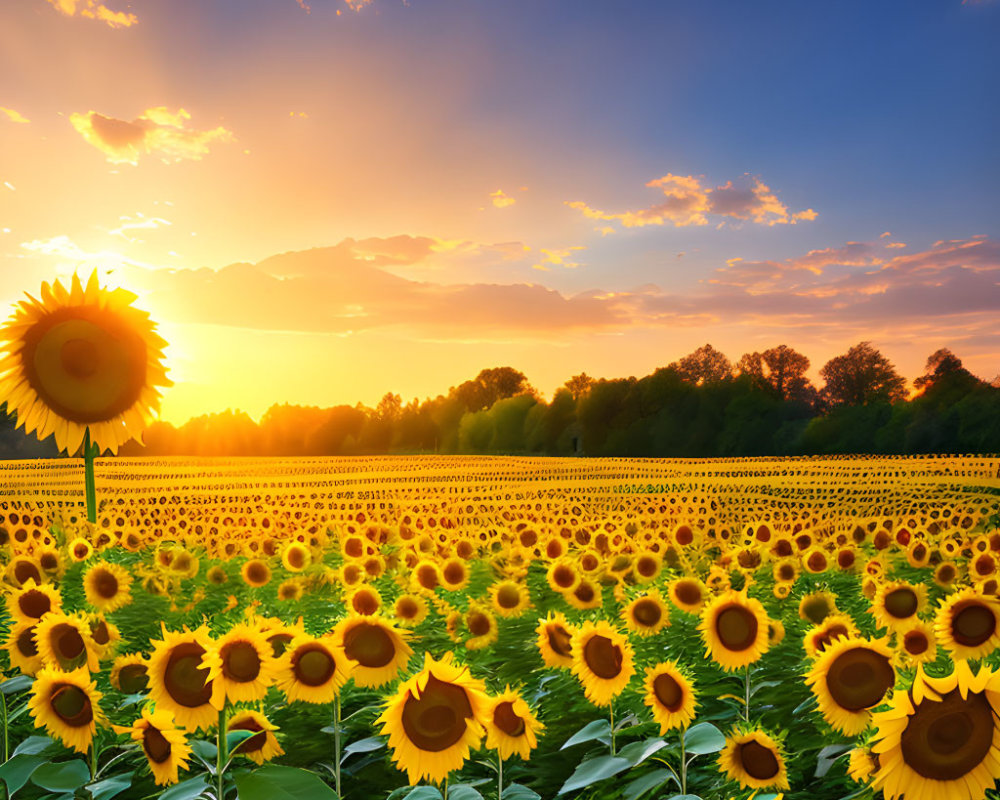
(704,365)
(939,364)
(579,385)
(861,376)
(781,369)
(491,385)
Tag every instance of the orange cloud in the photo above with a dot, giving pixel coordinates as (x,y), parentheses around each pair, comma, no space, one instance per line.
(157,131)
(13,115)
(501,200)
(689,202)
(558,258)
(92,9)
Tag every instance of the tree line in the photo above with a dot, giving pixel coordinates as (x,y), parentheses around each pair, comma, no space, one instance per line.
(702,405)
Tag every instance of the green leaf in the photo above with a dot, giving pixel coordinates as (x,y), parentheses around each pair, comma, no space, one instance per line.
(237,737)
(806,705)
(593,770)
(110,787)
(64,776)
(16,684)
(640,786)
(368,745)
(463,791)
(827,756)
(423,793)
(273,782)
(637,752)
(34,745)
(589,732)
(703,738)
(205,750)
(190,789)
(516,791)
(687,797)
(16,772)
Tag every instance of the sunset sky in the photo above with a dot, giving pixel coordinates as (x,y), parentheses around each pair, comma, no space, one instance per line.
(323,201)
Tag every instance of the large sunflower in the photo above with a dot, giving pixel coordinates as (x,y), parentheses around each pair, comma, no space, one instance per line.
(64,642)
(755,760)
(897,603)
(130,673)
(554,640)
(22,649)
(670,696)
(434,719)
(179,682)
(851,676)
(602,661)
(32,601)
(312,670)
(79,359)
(242,663)
(376,646)
(734,629)
(967,624)
(66,704)
(511,727)
(107,587)
(940,739)
(646,615)
(163,743)
(263,745)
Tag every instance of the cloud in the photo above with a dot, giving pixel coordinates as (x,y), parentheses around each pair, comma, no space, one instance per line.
(13,115)
(688,201)
(558,258)
(157,131)
(501,200)
(92,9)
(139,222)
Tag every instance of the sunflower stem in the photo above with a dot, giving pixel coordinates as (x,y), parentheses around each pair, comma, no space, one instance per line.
(336,743)
(6,739)
(499,776)
(222,753)
(93,761)
(611,712)
(746,704)
(89,452)
(684,766)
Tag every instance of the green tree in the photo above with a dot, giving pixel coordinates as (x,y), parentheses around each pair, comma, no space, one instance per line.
(860,377)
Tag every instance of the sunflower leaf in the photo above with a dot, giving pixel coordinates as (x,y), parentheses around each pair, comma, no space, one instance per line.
(423,793)
(593,770)
(649,781)
(110,787)
(368,745)
(704,738)
(827,756)
(63,776)
(463,791)
(16,684)
(589,732)
(272,782)
(34,745)
(516,791)
(190,789)
(637,752)
(16,772)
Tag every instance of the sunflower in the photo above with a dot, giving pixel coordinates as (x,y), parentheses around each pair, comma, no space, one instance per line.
(817,606)
(66,704)
(130,673)
(850,677)
(646,615)
(819,637)
(688,594)
(511,727)
(509,598)
(897,604)
(22,650)
(862,764)
(263,745)
(107,587)
(786,570)
(105,634)
(82,359)
(554,640)
(376,646)
(755,760)
(482,624)
(295,557)
(967,624)
(586,594)
(64,642)
(291,590)
(23,569)
(79,549)
(163,743)
(917,645)
(33,601)
(426,575)
(435,719)
(602,661)
(242,663)
(775,632)
(670,696)
(646,567)
(562,575)
(940,738)
(454,574)
(410,609)
(256,573)
(178,680)
(734,629)
(312,669)
(364,600)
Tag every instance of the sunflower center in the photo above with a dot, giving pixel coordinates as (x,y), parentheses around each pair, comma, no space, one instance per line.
(647,612)
(688,593)
(736,628)
(973,624)
(786,572)
(901,603)
(156,745)
(72,705)
(508,596)
(947,740)
(646,566)
(683,535)
(584,592)
(829,634)
(369,645)
(313,666)
(817,562)
(257,573)
(105,584)
(68,646)
(603,657)
(668,691)
(915,643)
(436,720)
(34,603)
(26,642)
(133,678)
(563,576)
(406,608)
(100,632)
(296,557)
(240,662)
(478,624)
(506,720)
(859,678)
(183,678)
(251,744)
(25,570)
(80,358)
(454,573)
(758,761)
(816,609)
(559,640)
(364,602)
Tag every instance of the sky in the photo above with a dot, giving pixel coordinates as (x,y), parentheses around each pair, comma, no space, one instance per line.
(320,201)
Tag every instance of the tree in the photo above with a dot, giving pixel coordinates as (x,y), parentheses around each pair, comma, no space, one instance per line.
(861,376)
(579,385)
(704,365)
(939,364)
(490,385)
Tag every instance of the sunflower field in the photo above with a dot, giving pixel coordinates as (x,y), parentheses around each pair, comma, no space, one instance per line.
(518,628)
